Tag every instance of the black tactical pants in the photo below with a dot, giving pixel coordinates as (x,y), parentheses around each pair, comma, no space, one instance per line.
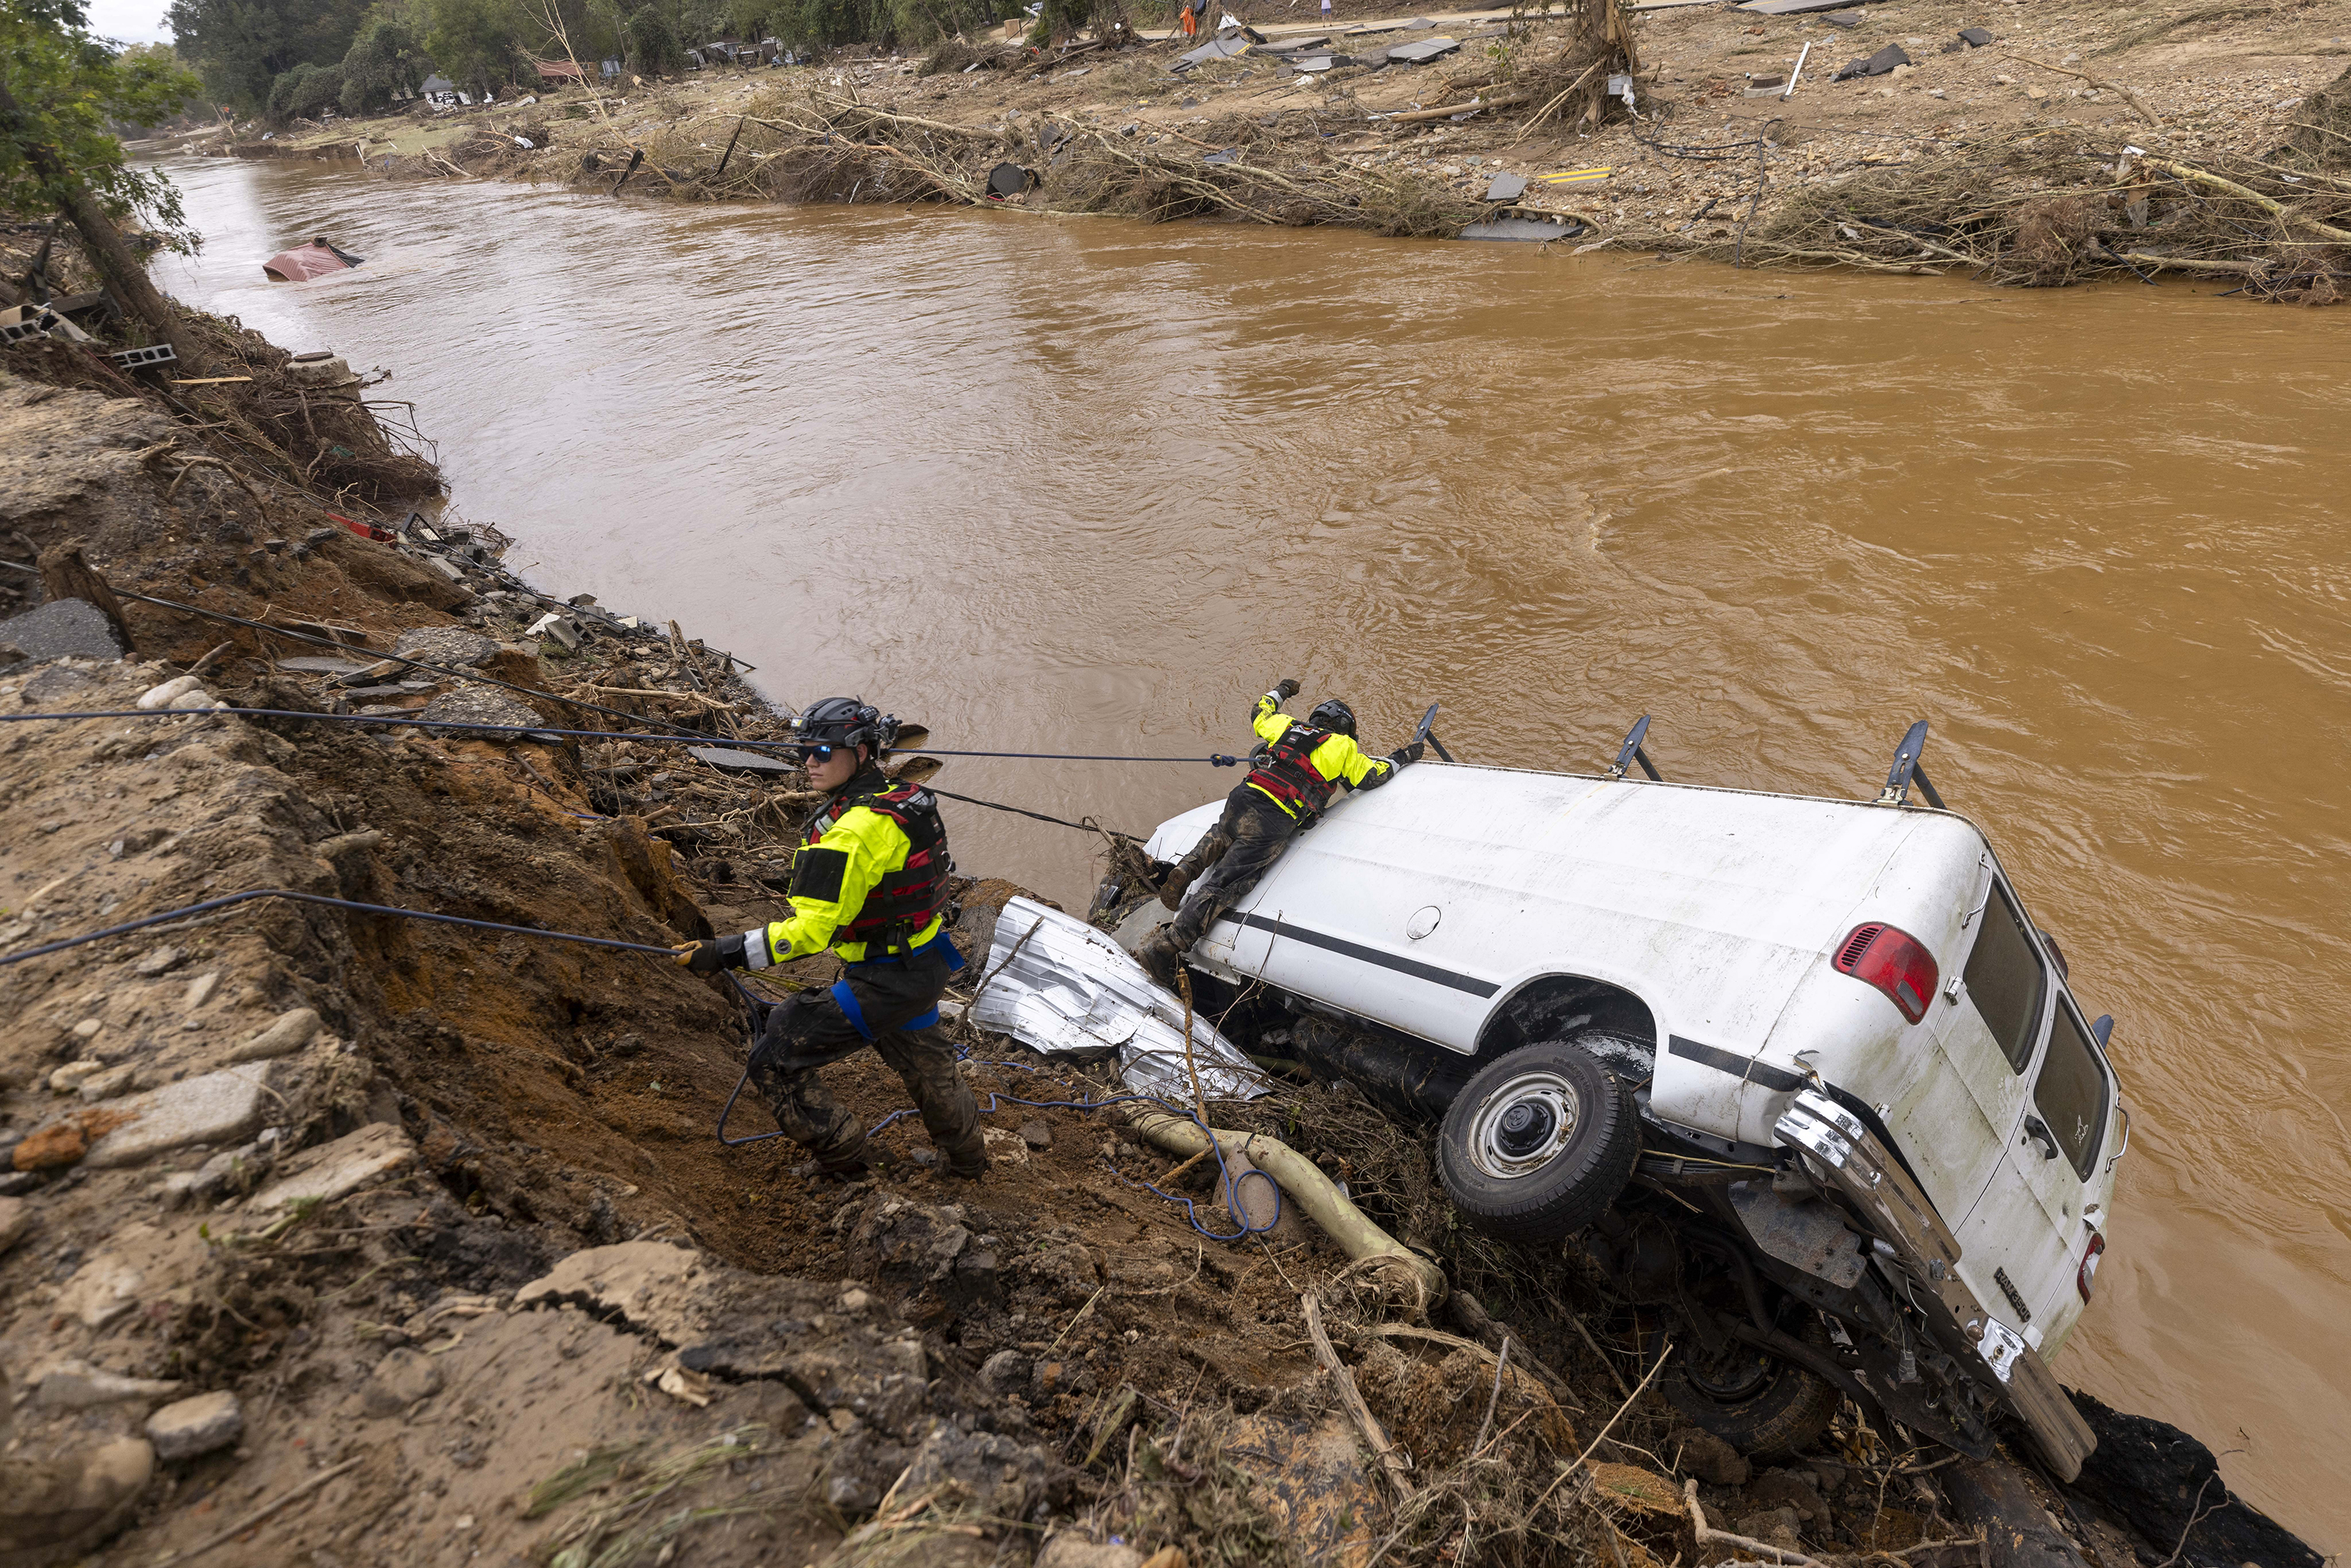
(1228,860)
(813,1028)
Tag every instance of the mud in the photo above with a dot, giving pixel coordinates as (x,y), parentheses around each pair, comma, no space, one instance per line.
(563,1321)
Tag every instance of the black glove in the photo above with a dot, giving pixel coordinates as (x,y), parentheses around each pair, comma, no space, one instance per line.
(1412,753)
(709,958)
(1286,689)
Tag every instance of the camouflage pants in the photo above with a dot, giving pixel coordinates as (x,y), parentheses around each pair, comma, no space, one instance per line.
(1247,839)
(813,1028)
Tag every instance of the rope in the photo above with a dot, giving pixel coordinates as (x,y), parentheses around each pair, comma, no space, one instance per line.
(209,905)
(756,1005)
(684,737)
(1087,826)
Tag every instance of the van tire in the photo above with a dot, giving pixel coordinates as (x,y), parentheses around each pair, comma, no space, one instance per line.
(1785,1416)
(1581,1137)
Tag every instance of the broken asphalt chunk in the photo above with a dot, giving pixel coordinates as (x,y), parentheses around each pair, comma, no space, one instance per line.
(1878,65)
(1421,53)
(1506,188)
(1976,37)
(62,627)
(1515,228)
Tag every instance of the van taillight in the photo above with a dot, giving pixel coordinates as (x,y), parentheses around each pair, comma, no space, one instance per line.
(2087,1275)
(1894,961)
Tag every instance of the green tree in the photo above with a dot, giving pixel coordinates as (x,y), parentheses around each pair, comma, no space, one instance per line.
(242,47)
(386,59)
(473,41)
(304,92)
(653,46)
(62,91)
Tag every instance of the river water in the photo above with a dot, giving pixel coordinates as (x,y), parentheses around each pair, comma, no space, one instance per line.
(1086,485)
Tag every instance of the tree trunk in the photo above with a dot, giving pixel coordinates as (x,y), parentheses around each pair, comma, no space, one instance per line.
(123,273)
(65,575)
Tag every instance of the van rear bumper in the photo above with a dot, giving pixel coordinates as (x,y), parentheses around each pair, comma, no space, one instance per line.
(1846,1156)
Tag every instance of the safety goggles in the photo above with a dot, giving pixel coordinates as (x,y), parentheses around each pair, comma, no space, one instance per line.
(817,753)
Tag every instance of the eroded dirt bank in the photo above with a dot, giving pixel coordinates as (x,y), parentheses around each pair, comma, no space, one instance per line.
(441,1210)
(2011,140)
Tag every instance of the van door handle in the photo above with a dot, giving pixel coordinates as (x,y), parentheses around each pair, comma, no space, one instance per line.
(2034,1127)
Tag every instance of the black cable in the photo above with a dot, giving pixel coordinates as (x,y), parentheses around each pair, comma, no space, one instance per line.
(1088,826)
(210,904)
(682,737)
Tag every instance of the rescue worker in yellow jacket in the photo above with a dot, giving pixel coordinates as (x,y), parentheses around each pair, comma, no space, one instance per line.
(869,881)
(1301,764)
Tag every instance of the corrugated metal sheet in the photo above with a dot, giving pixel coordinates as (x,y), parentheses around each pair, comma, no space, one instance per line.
(1056,984)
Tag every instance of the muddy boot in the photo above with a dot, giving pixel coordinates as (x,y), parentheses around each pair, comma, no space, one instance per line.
(1171,892)
(970,1162)
(54,1510)
(1159,957)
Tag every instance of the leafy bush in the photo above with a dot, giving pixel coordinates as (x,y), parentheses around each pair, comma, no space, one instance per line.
(304,92)
(384,60)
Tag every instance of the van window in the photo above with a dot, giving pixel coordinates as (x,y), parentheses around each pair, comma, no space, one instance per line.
(2005,979)
(2070,1093)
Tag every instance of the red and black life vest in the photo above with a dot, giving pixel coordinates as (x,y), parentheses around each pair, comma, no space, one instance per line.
(1288,772)
(904,900)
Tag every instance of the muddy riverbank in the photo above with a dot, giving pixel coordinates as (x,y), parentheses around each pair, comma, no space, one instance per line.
(406,1243)
(2007,143)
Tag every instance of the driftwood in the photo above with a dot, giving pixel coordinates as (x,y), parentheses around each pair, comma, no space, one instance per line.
(1299,1178)
(2138,106)
(1502,99)
(1391,1462)
(65,574)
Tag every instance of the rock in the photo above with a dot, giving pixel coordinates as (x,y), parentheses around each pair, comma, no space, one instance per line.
(73,1074)
(196,701)
(402,1378)
(200,991)
(87,1030)
(170,691)
(193,1426)
(15,1219)
(114,1080)
(1706,1457)
(1975,37)
(1037,1134)
(101,1290)
(51,1147)
(2036,93)
(157,962)
(484,705)
(217,1108)
(452,645)
(291,1032)
(1786,1489)
(1506,188)
(206,1181)
(63,628)
(1003,1478)
(76,1385)
(1775,1527)
(337,1170)
(1076,1551)
(1006,1372)
(854,1300)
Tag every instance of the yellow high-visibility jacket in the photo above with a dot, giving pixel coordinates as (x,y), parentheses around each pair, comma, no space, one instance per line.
(1300,780)
(859,873)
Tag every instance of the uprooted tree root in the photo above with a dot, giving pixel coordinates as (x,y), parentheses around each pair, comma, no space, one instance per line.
(2051,207)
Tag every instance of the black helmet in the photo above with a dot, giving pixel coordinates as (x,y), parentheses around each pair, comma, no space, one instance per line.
(1334,716)
(846,722)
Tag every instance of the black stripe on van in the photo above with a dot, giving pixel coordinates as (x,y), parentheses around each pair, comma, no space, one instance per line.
(1416,969)
(1773,1078)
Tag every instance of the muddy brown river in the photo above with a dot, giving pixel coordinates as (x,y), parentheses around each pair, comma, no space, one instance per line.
(1086,485)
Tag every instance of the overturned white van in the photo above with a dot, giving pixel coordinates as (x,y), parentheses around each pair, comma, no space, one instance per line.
(1801,1076)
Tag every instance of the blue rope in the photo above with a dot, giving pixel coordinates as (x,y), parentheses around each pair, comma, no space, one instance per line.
(997,1098)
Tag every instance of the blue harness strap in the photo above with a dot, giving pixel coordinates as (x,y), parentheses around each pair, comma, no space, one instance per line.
(851,1010)
(942,944)
(856,1015)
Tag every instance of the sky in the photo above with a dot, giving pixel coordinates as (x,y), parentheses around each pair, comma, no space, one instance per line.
(130,21)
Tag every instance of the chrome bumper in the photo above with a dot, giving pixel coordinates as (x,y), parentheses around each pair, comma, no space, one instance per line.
(1846,1155)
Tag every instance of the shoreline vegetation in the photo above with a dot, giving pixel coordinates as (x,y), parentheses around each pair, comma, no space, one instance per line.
(2210,143)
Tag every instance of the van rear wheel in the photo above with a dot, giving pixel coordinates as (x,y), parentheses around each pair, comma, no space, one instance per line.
(1538,1144)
